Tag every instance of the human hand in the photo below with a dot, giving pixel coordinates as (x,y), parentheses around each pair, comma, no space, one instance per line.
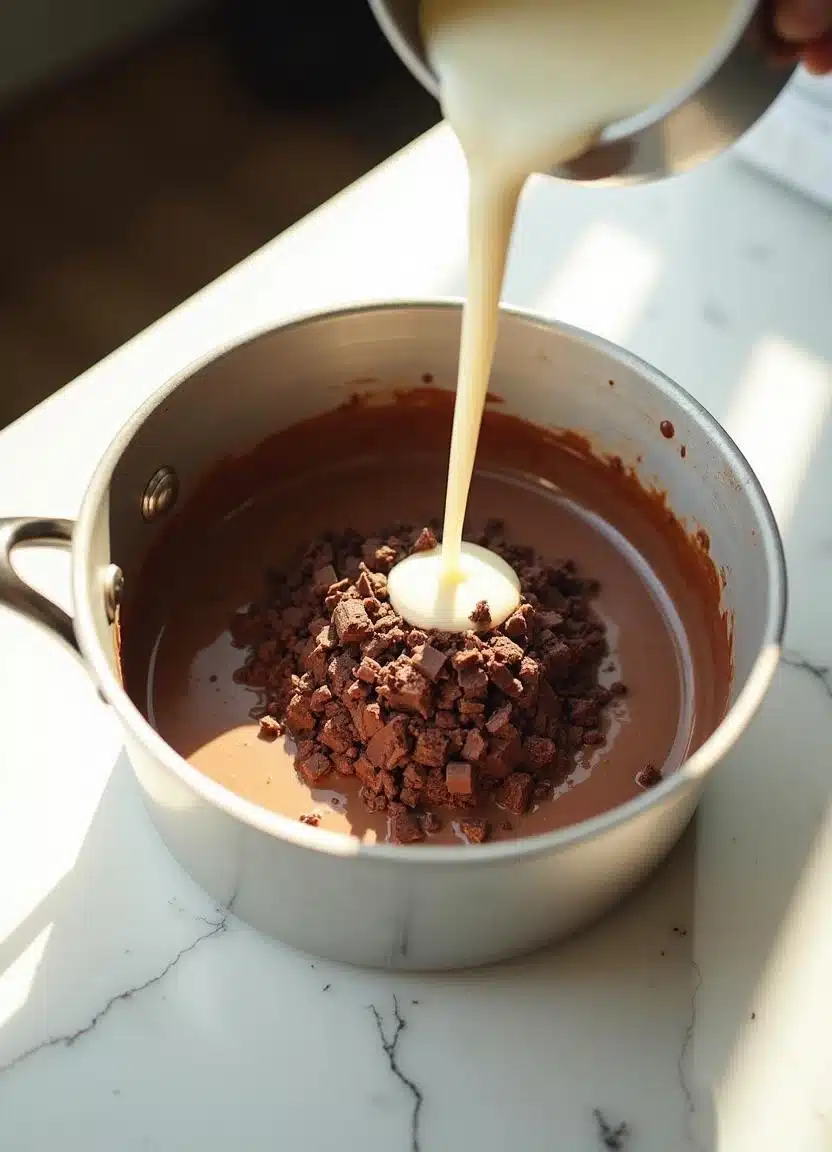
(806,28)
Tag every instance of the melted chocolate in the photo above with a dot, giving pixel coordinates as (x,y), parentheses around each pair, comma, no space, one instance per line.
(363,466)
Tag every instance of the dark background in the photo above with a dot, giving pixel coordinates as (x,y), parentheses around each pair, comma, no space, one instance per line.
(137,164)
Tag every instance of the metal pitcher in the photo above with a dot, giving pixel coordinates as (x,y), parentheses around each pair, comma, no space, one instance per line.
(735,85)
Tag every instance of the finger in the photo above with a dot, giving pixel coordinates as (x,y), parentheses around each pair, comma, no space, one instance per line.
(818,58)
(803,20)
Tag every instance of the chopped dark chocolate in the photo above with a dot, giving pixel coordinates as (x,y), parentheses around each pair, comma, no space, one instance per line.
(429,660)
(517,792)
(475,831)
(427,720)
(388,747)
(459,778)
(270,728)
(481,616)
(425,541)
(648,776)
(405,829)
(351,621)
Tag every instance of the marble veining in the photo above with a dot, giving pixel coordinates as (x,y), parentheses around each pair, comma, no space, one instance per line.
(68,1039)
(682,1061)
(617,1137)
(390,1047)
(820,673)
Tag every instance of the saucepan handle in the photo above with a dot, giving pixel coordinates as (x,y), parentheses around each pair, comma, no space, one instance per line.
(15,593)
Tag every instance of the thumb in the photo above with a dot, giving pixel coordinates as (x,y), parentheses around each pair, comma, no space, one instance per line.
(800,21)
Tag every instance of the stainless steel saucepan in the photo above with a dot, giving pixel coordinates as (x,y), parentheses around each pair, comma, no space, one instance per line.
(405,907)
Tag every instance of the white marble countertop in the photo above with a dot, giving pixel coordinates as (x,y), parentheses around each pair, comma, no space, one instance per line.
(137,1016)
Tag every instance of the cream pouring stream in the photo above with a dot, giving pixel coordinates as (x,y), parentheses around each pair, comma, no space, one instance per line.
(526,85)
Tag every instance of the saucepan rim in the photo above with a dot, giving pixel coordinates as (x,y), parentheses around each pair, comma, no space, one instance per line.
(688,775)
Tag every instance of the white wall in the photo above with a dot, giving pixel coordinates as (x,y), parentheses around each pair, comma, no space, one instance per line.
(40,39)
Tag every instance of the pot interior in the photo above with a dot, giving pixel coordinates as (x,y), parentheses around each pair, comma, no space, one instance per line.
(554,378)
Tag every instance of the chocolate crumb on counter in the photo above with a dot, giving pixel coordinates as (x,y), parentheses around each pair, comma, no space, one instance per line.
(478,723)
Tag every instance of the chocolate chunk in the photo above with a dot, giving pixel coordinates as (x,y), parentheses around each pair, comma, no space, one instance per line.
(368,670)
(389,784)
(365,587)
(316,662)
(585,713)
(270,728)
(372,721)
(557,659)
(386,557)
(373,801)
(405,829)
(403,687)
(467,659)
(539,753)
(340,671)
(505,751)
(431,748)
(414,777)
(648,776)
(470,708)
(321,632)
(337,733)
(425,541)
(481,616)
(459,778)
(517,792)
(351,622)
(319,699)
(498,719)
(475,746)
(449,693)
(474,831)
(389,746)
(518,624)
(376,646)
(314,767)
(324,578)
(435,791)
(429,660)
(410,797)
(502,676)
(299,717)
(618,688)
(529,674)
(342,764)
(505,650)
(367,774)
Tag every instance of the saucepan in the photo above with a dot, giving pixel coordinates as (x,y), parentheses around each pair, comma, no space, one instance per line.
(423,906)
